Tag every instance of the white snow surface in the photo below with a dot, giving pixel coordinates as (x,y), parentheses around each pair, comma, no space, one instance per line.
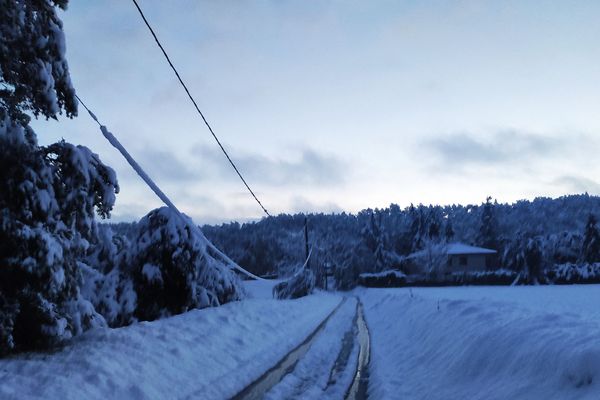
(484,342)
(310,379)
(211,353)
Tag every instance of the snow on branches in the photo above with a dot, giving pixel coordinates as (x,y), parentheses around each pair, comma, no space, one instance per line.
(33,68)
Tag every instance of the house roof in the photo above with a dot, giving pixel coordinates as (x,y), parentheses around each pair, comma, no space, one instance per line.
(461,248)
(453,249)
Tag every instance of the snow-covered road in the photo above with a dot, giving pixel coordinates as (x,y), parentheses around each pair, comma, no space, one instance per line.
(426,343)
(209,354)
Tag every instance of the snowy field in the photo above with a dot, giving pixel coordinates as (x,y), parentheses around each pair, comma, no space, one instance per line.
(209,354)
(484,342)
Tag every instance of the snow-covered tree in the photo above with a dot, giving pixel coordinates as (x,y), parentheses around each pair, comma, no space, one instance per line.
(46,225)
(449,230)
(299,285)
(49,194)
(488,234)
(173,269)
(590,250)
(433,258)
(533,260)
(107,282)
(33,69)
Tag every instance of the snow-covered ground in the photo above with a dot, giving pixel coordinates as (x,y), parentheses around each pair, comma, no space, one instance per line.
(210,353)
(427,343)
(312,378)
(484,342)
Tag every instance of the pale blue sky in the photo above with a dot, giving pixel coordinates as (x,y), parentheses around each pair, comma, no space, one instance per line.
(340,105)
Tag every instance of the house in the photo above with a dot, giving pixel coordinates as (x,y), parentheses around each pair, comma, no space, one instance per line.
(462,257)
(452,257)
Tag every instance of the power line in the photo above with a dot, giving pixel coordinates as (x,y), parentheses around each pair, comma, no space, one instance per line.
(197,108)
(161,195)
(88,110)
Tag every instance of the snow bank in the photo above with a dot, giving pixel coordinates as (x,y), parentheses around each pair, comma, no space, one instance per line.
(211,353)
(262,289)
(427,346)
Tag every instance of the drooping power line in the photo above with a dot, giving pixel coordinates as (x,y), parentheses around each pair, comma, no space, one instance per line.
(161,195)
(198,108)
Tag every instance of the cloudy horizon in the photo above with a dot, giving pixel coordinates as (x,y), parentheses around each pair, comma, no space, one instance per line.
(339,106)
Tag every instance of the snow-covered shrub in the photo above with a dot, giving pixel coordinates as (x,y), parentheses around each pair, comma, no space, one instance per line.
(490,277)
(107,283)
(112,294)
(173,270)
(390,278)
(573,273)
(299,285)
(496,277)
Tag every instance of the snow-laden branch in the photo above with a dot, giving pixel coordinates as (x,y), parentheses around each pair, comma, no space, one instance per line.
(193,227)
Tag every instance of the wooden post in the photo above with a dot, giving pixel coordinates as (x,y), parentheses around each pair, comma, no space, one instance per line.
(306,240)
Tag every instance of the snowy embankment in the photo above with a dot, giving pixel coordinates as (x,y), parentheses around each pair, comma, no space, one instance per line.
(484,343)
(209,353)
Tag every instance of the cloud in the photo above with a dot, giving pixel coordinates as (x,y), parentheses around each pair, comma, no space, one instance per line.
(301,204)
(311,168)
(578,184)
(166,166)
(460,149)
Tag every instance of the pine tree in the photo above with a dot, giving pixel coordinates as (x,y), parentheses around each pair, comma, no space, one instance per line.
(449,231)
(488,228)
(590,251)
(49,194)
(33,67)
(533,260)
(418,226)
(172,269)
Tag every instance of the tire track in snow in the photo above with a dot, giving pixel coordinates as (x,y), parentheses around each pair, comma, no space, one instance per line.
(359,388)
(348,374)
(273,376)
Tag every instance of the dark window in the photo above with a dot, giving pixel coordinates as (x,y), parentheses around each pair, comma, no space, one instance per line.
(462,260)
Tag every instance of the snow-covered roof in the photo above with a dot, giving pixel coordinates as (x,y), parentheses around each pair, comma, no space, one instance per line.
(461,248)
(453,249)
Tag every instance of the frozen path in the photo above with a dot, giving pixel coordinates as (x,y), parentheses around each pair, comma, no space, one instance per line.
(315,375)
(484,343)
(329,364)
(211,353)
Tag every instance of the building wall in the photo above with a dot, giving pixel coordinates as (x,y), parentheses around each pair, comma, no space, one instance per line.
(468,262)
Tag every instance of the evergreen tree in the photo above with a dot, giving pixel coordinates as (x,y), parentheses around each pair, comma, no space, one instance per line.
(173,271)
(590,251)
(49,194)
(533,260)
(449,231)
(488,227)
(418,226)
(33,68)
(434,229)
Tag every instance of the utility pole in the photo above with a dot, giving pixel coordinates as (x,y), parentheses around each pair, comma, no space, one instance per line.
(306,240)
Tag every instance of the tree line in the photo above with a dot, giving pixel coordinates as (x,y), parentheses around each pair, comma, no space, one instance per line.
(531,237)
